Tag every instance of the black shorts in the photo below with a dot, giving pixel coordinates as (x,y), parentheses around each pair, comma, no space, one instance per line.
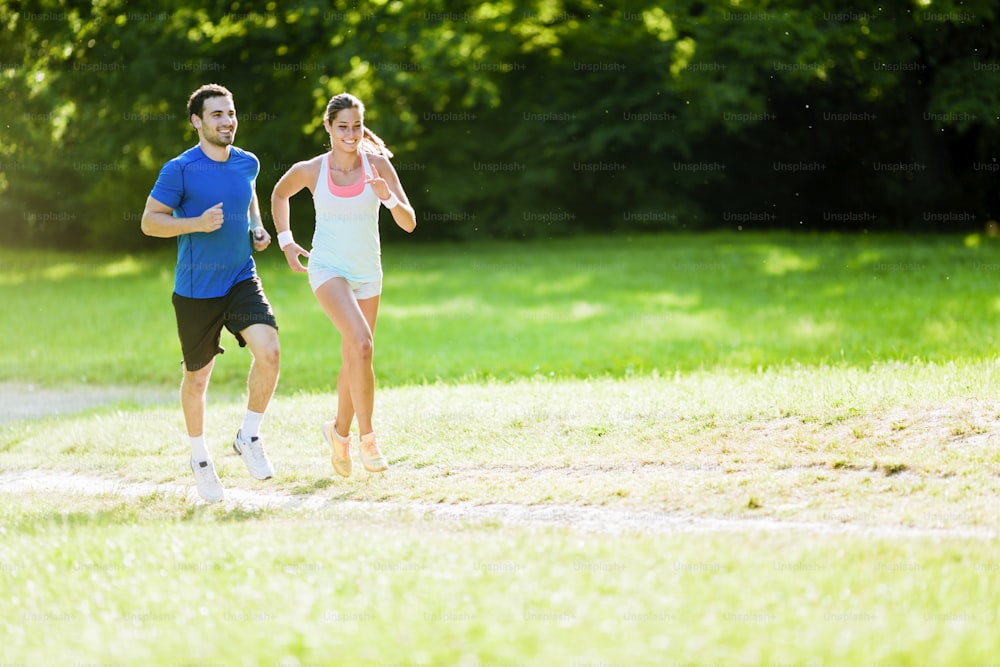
(200,321)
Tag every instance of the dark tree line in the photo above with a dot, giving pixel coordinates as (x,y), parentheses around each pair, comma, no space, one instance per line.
(521,120)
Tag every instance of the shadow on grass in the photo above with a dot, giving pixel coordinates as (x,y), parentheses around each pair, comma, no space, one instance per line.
(122,513)
(308,489)
(222,514)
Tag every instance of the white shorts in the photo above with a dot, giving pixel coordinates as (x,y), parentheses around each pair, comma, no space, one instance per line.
(318,277)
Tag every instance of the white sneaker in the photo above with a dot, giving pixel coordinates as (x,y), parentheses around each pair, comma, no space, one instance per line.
(207,481)
(254,456)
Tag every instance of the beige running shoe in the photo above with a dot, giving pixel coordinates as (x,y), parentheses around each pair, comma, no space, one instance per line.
(341,449)
(371,456)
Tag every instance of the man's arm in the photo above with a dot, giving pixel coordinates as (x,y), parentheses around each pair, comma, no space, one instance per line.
(158,220)
(261,239)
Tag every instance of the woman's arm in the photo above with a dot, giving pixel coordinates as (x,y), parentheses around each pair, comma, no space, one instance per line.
(300,175)
(383,174)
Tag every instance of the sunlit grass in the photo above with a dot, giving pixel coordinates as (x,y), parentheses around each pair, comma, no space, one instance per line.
(148,582)
(840,382)
(895,444)
(579,308)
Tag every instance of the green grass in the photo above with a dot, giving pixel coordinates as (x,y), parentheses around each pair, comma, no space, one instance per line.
(579,308)
(124,587)
(897,445)
(896,448)
(844,385)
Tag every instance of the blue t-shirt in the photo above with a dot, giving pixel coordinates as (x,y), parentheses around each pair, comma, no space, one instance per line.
(210,263)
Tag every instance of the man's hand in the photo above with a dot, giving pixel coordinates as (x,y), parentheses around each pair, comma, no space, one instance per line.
(211,219)
(261,239)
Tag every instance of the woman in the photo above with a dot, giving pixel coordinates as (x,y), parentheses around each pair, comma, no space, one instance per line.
(345,271)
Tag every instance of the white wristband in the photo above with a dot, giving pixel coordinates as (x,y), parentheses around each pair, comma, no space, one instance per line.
(391,202)
(284,238)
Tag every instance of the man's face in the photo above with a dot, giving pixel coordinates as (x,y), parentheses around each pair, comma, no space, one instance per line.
(217,123)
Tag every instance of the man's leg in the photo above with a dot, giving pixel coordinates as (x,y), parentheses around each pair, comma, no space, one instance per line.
(198,324)
(194,389)
(262,339)
(248,304)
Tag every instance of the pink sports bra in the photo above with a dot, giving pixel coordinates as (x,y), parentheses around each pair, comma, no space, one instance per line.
(352,190)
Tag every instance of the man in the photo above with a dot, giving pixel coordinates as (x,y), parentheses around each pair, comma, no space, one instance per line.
(206,197)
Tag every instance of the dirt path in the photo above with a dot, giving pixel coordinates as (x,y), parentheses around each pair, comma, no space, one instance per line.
(22,400)
(585,519)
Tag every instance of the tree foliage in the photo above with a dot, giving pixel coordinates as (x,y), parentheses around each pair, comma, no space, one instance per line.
(520,119)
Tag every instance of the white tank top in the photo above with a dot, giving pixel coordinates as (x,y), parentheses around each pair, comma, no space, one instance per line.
(346,239)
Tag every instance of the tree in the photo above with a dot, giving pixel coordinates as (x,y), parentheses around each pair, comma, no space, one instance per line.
(520,120)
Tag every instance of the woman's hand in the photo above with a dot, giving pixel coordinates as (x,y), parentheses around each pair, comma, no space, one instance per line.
(379,186)
(292,253)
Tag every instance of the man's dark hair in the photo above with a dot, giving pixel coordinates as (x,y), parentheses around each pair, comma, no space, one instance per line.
(196,103)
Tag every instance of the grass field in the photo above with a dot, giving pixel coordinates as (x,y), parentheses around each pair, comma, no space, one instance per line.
(575,308)
(748,450)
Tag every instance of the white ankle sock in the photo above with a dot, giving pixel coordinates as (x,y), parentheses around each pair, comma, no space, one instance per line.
(251,424)
(199,452)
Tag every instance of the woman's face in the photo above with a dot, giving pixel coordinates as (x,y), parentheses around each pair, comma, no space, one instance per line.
(346,129)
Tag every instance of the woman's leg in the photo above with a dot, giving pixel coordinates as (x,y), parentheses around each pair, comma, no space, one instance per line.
(355,320)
